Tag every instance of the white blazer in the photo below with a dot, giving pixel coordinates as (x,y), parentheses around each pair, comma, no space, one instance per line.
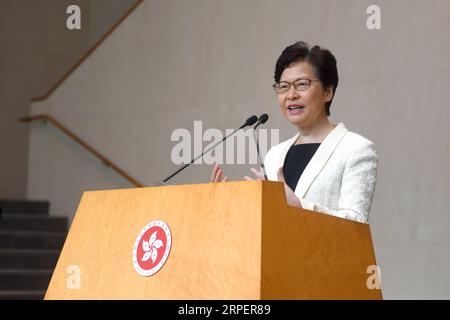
(340,178)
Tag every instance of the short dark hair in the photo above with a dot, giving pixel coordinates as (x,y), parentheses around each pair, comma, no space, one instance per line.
(322,60)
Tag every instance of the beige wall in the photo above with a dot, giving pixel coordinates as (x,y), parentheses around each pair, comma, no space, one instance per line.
(172,62)
(36,50)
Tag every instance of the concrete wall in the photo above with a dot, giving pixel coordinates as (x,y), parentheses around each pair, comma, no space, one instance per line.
(172,62)
(36,50)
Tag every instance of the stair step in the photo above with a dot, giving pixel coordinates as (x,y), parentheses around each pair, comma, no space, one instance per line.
(22,295)
(24,279)
(31,239)
(32,222)
(27,206)
(28,258)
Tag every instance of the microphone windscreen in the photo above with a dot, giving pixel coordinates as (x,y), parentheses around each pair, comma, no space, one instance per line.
(263,118)
(251,120)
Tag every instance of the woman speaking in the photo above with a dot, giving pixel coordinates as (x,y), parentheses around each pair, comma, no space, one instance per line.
(324,167)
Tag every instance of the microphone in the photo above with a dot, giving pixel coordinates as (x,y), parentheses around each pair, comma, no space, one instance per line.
(262,119)
(250,121)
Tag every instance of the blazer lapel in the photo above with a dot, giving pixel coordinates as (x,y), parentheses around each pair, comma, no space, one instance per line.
(319,159)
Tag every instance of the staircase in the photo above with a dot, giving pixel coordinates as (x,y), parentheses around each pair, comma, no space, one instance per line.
(30,244)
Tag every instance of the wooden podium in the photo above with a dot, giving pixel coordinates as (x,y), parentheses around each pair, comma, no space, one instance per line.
(231,240)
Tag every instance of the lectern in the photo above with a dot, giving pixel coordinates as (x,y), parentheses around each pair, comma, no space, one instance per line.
(230,240)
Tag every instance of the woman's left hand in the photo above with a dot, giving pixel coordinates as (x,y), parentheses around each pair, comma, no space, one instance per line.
(259,174)
(291,198)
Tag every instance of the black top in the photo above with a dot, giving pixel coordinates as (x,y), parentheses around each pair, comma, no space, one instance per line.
(296,161)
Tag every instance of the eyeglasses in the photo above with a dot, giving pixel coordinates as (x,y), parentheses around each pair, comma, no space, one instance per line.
(299,85)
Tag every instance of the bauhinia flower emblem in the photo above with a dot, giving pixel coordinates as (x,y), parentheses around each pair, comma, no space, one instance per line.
(151,247)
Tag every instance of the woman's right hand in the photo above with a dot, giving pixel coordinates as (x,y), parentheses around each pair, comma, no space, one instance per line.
(217,174)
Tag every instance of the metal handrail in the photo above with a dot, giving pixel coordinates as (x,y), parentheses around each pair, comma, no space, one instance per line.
(106,161)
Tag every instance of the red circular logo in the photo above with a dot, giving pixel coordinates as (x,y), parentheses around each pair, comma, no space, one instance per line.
(151,248)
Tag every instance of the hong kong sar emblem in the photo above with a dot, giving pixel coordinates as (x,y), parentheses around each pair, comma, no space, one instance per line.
(151,248)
